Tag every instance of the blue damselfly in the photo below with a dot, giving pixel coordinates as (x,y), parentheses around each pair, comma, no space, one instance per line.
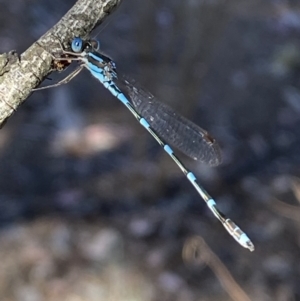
(158,119)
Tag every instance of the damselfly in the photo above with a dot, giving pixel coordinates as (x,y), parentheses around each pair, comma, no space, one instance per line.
(157,118)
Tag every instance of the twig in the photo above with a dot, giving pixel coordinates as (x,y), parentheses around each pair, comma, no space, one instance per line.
(195,248)
(289,211)
(19,77)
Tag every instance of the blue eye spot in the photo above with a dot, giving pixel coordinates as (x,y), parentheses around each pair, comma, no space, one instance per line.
(77,44)
(95,44)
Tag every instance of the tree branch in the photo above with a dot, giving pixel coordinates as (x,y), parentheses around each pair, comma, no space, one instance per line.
(19,75)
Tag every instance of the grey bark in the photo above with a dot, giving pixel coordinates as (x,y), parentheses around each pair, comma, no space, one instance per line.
(20,74)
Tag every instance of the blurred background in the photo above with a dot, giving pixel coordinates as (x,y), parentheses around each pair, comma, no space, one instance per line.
(91,208)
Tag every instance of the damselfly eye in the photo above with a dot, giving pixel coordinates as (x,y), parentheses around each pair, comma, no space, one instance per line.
(77,45)
(95,44)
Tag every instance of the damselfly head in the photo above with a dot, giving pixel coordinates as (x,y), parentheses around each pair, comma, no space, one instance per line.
(79,45)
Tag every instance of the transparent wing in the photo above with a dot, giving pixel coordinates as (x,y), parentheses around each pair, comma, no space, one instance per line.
(172,127)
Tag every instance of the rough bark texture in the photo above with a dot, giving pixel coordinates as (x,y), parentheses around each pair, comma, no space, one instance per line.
(20,74)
